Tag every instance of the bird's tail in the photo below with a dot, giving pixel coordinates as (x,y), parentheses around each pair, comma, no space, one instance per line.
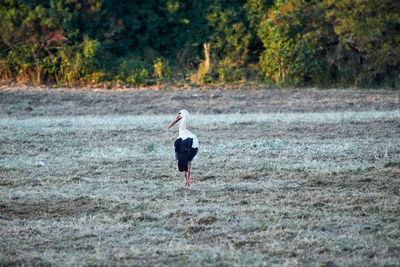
(183,164)
(183,153)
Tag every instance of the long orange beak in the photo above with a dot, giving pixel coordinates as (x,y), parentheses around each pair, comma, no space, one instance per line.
(177,119)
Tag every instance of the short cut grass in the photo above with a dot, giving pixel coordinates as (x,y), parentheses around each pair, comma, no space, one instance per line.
(267,189)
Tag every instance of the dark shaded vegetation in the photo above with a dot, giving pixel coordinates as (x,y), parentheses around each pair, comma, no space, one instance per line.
(139,43)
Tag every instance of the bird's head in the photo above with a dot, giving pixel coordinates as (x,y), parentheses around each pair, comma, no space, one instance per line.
(183,114)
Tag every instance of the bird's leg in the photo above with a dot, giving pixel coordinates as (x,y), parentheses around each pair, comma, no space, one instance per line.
(188,175)
(187,183)
(186,178)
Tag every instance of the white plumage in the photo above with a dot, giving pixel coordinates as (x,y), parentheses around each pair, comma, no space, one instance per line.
(186,145)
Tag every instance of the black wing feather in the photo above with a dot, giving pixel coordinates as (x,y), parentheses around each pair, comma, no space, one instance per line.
(184,152)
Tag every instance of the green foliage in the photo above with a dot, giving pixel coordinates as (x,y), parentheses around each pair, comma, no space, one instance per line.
(203,74)
(230,36)
(138,78)
(368,36)
(161,69)
(291,42)
(132,71)
(224,72)
(292,48)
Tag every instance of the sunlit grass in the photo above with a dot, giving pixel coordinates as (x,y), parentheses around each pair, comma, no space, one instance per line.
(270,141)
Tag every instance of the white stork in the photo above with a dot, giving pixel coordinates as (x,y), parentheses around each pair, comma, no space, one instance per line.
(186,145)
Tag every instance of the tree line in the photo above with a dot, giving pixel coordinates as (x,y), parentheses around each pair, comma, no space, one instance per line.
(139,43)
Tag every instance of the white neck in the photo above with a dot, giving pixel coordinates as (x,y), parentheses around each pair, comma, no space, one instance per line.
(182,125)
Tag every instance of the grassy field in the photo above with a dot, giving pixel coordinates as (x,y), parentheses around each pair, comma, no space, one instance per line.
(316,188)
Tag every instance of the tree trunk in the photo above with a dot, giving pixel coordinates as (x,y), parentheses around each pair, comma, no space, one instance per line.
(207,56)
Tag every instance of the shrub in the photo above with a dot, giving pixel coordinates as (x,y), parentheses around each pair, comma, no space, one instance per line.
(162,70)
(132,71)
(292,52)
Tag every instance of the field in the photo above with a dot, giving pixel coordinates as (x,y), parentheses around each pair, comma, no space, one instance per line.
(283,177)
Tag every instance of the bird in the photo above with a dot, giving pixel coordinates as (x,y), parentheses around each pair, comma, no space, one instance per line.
(186,145)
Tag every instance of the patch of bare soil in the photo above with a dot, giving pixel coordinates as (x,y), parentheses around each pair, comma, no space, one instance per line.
(322,131)
(49,208)
(32,102)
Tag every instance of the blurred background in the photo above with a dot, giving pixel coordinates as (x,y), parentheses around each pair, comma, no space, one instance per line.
(323,43)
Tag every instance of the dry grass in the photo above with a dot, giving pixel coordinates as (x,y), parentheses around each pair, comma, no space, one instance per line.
(267,189)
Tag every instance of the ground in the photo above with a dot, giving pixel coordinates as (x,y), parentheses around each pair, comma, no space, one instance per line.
(283,177)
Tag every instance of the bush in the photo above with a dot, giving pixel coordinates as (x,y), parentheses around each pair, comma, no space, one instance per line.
(162,70)
(292,54)
(132,71)
(368,35)
(292,42)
